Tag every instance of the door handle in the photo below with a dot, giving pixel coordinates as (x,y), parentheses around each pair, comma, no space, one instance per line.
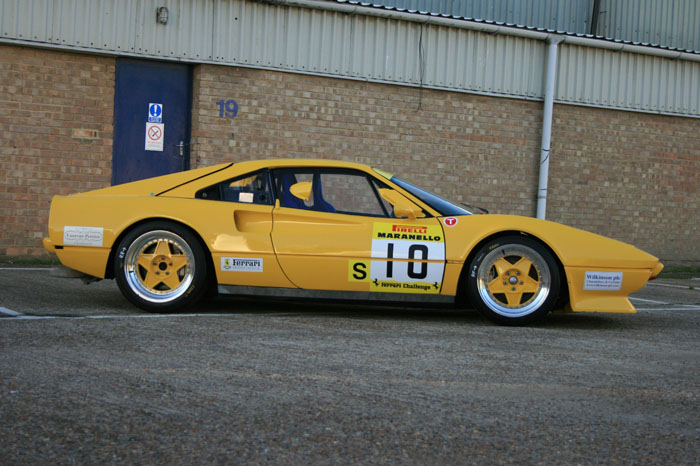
(181,146)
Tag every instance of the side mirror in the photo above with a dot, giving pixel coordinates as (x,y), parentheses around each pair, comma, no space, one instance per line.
(402,206)
(301,190)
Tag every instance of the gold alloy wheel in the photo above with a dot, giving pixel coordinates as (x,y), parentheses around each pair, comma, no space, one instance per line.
(513,280)
(159,266)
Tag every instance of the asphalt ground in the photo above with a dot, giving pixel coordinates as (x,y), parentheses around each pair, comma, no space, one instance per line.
(86,378)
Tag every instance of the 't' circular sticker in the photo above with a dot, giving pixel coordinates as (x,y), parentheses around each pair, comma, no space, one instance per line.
(450,221)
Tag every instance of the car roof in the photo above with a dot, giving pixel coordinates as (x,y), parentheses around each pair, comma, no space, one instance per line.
(301,162)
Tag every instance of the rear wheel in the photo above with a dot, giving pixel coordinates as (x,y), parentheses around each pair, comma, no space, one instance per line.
(513,280)
(161,267)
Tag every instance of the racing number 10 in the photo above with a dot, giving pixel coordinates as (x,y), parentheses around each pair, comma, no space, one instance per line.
(412,250)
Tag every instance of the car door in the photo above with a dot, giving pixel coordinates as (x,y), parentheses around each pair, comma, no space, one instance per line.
(238,217)
(340,233)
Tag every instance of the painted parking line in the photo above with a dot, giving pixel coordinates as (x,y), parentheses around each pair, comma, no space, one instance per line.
(681,307)
(38,269)
(668,285)
(19,316)
(9,312)
(647,301)
(14,315)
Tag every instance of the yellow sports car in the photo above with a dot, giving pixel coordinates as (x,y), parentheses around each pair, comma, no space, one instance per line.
(334,229)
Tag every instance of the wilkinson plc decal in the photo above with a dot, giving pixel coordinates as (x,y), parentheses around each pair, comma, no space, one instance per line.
(604,281)
(241,264)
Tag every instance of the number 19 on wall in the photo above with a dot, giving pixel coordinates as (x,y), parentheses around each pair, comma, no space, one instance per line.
(228,108)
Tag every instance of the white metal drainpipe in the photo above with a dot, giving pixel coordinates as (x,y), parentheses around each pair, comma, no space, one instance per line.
(551,75)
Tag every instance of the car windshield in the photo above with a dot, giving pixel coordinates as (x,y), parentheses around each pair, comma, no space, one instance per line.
(443,206)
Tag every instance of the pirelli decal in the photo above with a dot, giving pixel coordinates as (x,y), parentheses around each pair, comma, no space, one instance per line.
(421,233)
(405,259)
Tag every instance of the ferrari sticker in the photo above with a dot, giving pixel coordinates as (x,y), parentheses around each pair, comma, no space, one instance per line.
(603,281)
(405,259)
(83,236)
(241,264)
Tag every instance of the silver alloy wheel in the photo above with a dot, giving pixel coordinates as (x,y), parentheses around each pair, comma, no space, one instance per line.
(159,266)
(513,280)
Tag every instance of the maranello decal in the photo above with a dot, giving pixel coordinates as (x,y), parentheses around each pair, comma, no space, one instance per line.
(405,259)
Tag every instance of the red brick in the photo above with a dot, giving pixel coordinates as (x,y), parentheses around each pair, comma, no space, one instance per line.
(45,90)
(627,175)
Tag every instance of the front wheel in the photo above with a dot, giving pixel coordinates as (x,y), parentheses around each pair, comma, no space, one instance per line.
(161,267)
(513,280)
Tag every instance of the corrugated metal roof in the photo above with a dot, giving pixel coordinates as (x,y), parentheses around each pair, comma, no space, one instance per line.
(317,41)
(671,24)
(605,78)
(380,49)
(560,15)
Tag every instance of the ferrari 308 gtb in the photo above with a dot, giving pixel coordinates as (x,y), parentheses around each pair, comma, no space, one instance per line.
(336,230)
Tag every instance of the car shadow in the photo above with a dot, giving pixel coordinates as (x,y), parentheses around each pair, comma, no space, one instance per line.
(396,311)
(583,321)
(336,308)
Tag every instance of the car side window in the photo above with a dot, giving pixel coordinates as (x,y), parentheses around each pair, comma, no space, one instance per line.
(284,180)
(352,193)
(339,191)
(252,188)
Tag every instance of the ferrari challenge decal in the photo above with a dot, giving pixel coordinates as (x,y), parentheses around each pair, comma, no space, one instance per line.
(603,281)
(83,236)
(401,255)
(241,264)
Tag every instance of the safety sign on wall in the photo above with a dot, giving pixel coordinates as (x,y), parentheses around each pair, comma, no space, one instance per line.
(155,113)
(155,133)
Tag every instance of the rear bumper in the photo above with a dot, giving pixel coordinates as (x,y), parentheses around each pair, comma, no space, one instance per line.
(49,246)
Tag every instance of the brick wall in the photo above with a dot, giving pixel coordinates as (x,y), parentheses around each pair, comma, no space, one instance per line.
(460,145)
(630,176)
(55,137)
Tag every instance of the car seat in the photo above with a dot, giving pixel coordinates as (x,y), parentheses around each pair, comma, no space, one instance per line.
(320,204)
(289,199)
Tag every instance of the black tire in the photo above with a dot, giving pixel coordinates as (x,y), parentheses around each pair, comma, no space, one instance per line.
(513,280)
(160,266)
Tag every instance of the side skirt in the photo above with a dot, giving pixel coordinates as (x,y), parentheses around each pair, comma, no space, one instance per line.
(335,295)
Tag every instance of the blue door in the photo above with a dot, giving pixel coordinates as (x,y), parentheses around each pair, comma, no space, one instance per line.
(159,92)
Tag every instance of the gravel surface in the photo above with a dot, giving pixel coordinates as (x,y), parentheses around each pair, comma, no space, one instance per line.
(92,379)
